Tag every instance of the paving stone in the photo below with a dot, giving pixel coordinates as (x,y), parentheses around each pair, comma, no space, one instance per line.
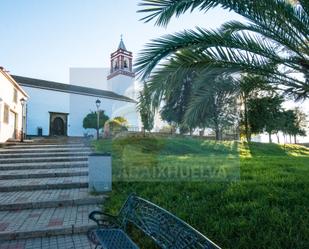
(40,150)
(45,221)
(42,165)
(53,242)
(43,159)
(21,155)
(43,146)
(43,183)
(42,173)
(44,199)
(47,198)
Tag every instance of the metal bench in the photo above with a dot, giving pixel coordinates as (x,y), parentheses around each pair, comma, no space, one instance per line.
(164,228)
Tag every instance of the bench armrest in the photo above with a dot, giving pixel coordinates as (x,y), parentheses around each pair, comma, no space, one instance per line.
(104,220)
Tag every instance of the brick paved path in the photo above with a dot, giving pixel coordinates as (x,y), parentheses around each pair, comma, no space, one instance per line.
(44,200)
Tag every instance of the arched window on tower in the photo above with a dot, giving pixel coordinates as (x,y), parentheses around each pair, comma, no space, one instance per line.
(125,64)
(116,65)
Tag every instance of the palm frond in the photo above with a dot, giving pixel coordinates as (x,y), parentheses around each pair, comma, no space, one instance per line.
(164,10)
(200,39)
(273,43)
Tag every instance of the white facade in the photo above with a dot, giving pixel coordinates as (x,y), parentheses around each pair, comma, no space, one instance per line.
(59,109)
(41,103)
(120,84)
(11,111)
(72,107)
(80,106)
(89,77)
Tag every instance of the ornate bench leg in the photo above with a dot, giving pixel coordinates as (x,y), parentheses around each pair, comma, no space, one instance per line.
(91,236)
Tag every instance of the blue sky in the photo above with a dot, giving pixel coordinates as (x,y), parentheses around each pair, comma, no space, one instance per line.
(44,38)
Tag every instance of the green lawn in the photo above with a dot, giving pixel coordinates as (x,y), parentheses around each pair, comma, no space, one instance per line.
(253,196)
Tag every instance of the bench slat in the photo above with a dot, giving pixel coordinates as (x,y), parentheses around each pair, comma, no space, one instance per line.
(115,239)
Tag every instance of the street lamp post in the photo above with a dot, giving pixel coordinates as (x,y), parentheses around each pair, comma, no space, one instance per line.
(22,102)
(98,103)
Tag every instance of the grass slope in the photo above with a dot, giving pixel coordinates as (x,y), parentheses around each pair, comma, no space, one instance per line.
(266,206)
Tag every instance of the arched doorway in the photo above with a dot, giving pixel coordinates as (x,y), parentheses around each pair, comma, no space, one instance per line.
(58,124)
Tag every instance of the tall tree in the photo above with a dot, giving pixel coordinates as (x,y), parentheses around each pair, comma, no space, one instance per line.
(214,105)
(265,114)
(176,104)
(273,42)
(145,109)
(251,86)
(301,123)
(90,121)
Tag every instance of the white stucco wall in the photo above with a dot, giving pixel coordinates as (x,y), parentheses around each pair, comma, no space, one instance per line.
(97,78)
(120,83)
(6,97)
(42,102)
(80,106)
(128,111)
(89,77)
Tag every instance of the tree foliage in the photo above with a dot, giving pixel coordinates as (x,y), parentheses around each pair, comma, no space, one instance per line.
(214,106)
(265,114)
(118,124)
(145,109)
(176,103)
(272,43)
(295,123)
(251,86)
(90,121)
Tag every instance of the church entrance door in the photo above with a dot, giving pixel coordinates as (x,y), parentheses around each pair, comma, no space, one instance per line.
(58,124)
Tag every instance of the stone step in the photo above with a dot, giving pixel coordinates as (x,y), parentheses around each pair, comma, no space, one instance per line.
(76,241)
(43,159)
(40,150)
(42,173)
(47,198)
(44,183)
(26,146)
(43,165)
(43,154)
(43,222)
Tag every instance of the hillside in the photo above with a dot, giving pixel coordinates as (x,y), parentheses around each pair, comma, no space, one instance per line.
(260,201)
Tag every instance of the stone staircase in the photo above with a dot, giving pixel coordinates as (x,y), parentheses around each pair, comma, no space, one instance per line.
(44,197)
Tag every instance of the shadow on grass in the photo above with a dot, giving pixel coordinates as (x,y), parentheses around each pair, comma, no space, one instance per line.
(261,149)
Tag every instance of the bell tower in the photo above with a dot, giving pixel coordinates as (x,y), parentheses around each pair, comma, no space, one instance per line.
(121,76)
(121,62)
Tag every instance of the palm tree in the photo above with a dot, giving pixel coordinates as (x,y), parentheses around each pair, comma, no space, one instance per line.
(210,88)
(273,43)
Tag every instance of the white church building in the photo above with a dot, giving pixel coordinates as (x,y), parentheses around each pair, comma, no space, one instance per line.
(58,109)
